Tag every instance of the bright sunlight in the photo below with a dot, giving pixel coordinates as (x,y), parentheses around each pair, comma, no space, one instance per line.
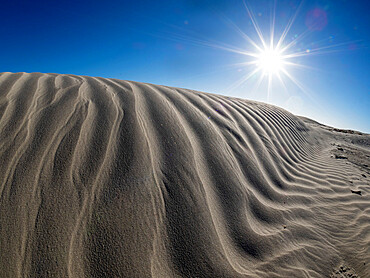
(270,61)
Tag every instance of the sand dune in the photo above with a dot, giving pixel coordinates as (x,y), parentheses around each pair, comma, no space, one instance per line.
(110,178)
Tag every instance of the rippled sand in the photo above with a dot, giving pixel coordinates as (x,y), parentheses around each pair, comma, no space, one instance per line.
(110,178)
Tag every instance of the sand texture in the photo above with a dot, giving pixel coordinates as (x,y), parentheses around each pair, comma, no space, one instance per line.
(110,178)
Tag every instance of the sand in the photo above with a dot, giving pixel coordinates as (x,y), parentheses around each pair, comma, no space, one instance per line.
(110,178)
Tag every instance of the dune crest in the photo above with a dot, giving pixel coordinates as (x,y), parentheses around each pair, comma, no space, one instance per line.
(109,178)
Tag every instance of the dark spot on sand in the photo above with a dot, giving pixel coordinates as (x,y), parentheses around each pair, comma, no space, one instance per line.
(356,192)
(338,156)
(344,272)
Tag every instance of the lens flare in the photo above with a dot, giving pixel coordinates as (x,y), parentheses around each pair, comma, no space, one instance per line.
(272,57)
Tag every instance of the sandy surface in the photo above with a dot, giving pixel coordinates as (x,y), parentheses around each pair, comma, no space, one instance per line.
(109,178)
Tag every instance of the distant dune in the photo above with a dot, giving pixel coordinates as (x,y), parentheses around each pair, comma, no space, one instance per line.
(110,178)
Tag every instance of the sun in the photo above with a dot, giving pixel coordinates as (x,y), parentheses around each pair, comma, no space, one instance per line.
(271,57)
(270,61)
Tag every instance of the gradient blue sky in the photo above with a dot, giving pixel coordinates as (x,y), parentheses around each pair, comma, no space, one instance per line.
(177,43)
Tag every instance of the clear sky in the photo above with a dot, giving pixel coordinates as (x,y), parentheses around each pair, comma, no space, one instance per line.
(204,45)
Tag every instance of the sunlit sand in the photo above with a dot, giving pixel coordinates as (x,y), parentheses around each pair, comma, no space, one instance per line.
(110,178)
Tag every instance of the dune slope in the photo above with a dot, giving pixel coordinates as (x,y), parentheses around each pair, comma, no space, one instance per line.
(110,178)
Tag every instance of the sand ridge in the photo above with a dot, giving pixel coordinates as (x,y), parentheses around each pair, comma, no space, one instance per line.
(110,178)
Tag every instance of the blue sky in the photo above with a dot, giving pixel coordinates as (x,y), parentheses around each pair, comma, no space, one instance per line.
(186,43)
